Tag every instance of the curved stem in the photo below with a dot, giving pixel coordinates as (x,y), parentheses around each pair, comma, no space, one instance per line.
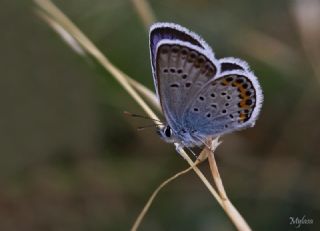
(234,215)
(153,195)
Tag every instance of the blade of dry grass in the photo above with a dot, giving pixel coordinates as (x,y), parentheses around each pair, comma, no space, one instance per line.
(214,169)
(144,11)
(148,95)
(146,207)
(231,211)
(307,17)
(73,43)
(56,16)
(202,157)
(161,186)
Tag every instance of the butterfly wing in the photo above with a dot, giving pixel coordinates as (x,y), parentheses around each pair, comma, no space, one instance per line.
(182,62)
(227,103)
(182,69)
(191,95)
(174,32)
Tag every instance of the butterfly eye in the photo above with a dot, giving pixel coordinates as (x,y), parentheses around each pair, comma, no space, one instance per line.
(168,132)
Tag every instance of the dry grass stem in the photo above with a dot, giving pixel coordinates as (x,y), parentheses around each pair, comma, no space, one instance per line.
(307,17)
(146,92)
(214,170)
(202,157)
(67,37)
(144,11)
(200,175)
(229,208)
(155,193)
(56,16)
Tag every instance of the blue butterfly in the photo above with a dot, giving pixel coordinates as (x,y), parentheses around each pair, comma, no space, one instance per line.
(201,97)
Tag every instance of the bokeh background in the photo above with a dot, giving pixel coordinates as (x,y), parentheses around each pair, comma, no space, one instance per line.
(70,159)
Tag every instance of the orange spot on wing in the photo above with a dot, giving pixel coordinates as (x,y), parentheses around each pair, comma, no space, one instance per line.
(242,92)
(242,116)
(224,82)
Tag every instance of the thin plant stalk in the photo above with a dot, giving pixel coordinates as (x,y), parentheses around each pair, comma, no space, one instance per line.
(202,157)
(229,208)
(307,16)
(144,11)
(215,171)
(53,13)
(146,207)
(148,95)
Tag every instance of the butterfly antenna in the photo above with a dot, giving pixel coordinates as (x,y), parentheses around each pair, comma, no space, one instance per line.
(147,126)
(141,116)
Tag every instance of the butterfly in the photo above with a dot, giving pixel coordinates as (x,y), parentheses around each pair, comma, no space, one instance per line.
(201,97)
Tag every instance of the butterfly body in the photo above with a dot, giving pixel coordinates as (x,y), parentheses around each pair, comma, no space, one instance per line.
(201,97)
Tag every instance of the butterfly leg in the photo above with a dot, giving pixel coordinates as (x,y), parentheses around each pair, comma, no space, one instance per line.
(179,149)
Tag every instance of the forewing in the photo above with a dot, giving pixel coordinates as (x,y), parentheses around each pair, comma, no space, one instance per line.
(181,71)
(170,31)
(174,32)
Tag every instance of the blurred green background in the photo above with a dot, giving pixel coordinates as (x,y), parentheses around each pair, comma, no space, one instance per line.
(70,159)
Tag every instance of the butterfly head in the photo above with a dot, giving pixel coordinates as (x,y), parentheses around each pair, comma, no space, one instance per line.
(181,136)
(166,134)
